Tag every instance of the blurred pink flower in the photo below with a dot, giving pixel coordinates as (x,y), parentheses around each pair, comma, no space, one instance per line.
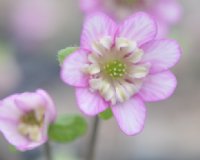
(89,5)
(166,12)
(24,119)
(121,67)
(8,65)
(35,19)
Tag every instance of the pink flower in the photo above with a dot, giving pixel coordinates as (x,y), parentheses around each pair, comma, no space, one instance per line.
(24,119)
(89,5)
(35,19)
(8,65)
(121,67)
(166,12)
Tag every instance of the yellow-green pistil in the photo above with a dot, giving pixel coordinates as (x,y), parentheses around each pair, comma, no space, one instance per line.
(115,69)
(128,2)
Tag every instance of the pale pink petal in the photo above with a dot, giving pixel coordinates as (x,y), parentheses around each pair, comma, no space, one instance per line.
(130,115)
(158,86)
(72,69)
(139,27)
(90,103)
(33,145)
(50,106)
(163,29)
(96,26)
(161,54)
(10,132)
(28,101)
(7,106)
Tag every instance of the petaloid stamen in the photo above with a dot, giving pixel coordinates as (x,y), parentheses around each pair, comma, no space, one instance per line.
(30,124)
(115,70)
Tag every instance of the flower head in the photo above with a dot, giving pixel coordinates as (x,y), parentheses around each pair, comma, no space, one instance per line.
(24,119)
(121,67)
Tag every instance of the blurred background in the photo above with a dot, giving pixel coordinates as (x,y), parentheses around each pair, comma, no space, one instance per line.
(31,33)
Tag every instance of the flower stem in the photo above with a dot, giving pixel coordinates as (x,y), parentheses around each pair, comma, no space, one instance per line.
(92,144)
(48,151)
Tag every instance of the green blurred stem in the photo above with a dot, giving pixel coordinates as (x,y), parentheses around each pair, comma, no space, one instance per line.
(48,151)
(93,141)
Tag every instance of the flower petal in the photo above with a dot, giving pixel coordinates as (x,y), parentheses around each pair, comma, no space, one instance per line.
(161,54)
(140,27)
(72,69)
(51,109)
(158,86)
(7,106)
(11,133)
(96,26)
(91,103)
(130,115)
(163,29)
(28,101)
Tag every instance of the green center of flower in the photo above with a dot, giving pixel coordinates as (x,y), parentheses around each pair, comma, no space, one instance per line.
(127,2)
(115,69)
(30,118)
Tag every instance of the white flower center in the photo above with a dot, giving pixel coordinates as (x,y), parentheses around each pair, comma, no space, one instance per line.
(116,71)
(31,124)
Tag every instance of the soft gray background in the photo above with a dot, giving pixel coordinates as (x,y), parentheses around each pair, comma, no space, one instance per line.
(172,127)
